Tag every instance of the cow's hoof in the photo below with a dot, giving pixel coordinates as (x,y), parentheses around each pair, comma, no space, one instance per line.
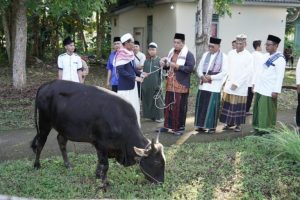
(37,166)
(104,186)
(68,165)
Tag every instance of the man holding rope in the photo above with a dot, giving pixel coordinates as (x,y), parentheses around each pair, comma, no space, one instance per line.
(180,64)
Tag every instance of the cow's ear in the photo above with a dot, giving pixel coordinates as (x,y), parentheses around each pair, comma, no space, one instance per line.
(140,152)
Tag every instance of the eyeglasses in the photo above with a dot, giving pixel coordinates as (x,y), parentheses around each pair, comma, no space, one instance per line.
(269,44)
(211,46)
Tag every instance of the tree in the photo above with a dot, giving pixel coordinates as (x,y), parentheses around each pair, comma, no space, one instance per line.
(203,21)
(48,20)
(19,48)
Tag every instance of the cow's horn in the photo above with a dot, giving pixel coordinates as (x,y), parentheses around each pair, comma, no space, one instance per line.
(157,137)
(153,145)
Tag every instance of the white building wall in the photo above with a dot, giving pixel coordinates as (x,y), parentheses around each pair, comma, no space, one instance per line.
(164,25)
(185,17)
(254,21)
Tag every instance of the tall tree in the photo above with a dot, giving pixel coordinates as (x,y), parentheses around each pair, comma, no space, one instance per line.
(20,43)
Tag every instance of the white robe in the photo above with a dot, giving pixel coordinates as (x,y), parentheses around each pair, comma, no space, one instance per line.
(257,62)
(218,79)
(269,79)
(240,67)
(298,73)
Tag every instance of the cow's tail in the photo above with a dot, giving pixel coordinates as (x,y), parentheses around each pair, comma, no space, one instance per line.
(34,141)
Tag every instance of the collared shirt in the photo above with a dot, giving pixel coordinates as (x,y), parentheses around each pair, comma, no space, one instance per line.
(110,66)
(218,79)
(269,79)
(69,64)
(240,67)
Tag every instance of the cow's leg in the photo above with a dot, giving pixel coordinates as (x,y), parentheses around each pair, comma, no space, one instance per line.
(40,141)
(62,142)
(102,166)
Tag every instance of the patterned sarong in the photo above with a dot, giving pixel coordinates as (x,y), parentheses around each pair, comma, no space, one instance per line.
(175,114)
(233,109)
(207,109)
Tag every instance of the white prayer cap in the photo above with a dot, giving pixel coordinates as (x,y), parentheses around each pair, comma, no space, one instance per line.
(241,37)
(126,37)
(152,45)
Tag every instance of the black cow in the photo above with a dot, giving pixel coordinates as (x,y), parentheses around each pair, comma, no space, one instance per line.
(89,114)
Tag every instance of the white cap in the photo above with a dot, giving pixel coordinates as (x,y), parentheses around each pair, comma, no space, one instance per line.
(152,44)
(126,37)
(241,37)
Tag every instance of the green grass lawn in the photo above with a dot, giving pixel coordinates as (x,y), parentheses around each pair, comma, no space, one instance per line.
(238,169)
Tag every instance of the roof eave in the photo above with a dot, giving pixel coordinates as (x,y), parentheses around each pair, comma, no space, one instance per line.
(284,5)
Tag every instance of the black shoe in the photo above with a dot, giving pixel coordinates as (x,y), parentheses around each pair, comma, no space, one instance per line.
(162,130)
(200,130)
(237,129)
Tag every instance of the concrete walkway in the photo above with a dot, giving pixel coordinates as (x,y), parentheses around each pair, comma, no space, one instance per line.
(15,144)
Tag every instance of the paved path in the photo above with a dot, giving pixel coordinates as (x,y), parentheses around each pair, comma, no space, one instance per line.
(15,144)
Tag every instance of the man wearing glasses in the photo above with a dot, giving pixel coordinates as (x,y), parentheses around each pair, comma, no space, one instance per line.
(267,85)
(211,71)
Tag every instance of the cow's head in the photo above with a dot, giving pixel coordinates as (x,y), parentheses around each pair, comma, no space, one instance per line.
(152,161)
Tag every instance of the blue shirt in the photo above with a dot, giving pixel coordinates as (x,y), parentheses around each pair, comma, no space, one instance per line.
(112,68)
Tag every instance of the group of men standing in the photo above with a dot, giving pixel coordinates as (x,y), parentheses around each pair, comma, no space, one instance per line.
(226,82)
(237,76)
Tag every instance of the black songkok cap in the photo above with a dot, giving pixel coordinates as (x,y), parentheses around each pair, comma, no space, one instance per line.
(214,40)
(274,39)
(137,42)
(67,41)
(179,36)
(117,39)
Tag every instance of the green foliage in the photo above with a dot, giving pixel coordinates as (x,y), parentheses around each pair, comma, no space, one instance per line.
(238,169)
(222,7)
(285,142)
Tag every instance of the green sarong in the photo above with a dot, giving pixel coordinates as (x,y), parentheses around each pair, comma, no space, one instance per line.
(264,112)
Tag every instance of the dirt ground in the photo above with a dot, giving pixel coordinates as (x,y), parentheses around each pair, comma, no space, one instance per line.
(15,144)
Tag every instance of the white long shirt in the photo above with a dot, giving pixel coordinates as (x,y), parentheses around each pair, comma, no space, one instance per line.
(269,79)
(240,67)
(69,64)
(139,59)
(257,62)
(218,79)
(298,73)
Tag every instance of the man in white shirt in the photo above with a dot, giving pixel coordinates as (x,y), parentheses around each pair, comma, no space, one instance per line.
(69,63)
(211,71)
(298,90)
(267,85)
(257,62)
(139,60)
(240,62)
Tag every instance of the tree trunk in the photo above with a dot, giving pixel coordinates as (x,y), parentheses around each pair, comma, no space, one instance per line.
(7,33)
(36,36)
(203,27)
(19,58)
(82,38)
(98,36)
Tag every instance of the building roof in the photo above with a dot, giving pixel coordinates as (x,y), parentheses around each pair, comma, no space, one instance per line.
(279,3)
(284,3)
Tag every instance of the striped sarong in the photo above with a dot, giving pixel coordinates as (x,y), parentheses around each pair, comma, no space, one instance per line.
(175,114)
(264,112)
(233,109)
(207,109)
